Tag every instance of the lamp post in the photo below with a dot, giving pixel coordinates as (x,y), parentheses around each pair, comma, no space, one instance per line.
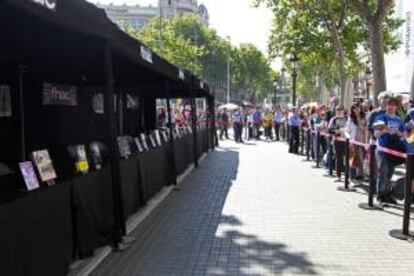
(276,86)
(294,59)
(161,11)
(228,72)
(368,73)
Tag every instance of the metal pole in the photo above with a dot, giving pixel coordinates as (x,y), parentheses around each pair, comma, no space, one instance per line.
(330,155)
(408,194)
(294,87)
(302,140)
(347,164)
(194,123)
(228,79)
(318,148)
(372,173)
(308,144)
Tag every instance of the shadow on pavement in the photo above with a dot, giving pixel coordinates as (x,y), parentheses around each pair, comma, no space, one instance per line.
(188,234)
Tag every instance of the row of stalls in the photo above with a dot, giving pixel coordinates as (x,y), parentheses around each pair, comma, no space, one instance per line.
(73,84)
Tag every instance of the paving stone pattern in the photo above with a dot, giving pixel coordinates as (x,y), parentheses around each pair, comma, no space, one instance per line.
(256,210)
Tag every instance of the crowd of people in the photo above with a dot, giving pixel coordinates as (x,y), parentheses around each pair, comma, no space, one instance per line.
(180,116)
(389,125)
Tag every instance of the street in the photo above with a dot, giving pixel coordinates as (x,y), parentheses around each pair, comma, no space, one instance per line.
(254,209)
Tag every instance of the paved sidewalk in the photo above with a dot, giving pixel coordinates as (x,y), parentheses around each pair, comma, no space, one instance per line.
(256,210)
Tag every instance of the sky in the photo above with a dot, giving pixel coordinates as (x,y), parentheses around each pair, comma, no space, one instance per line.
(235,18)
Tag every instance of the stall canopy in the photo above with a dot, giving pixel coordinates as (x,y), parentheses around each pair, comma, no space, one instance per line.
(68,26)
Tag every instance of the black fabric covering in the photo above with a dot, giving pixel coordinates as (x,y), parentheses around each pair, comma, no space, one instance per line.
(94,211)
(155,170)
(131,186)
(183,149)
(202,143)
(36,233)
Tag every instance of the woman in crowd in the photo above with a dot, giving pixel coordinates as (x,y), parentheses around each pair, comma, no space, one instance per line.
(337,129)
(268,124)
(356,129)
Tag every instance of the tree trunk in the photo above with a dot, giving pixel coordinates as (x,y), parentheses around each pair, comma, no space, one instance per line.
(377,56)
(340,55)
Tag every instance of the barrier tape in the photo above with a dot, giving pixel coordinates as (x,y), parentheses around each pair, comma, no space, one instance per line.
(364,145)
(392,152)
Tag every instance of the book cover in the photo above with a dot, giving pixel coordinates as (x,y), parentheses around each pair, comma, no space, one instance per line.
(78,153)
(5,101)
(29,175)
(158,137)
(44,165)
(144,141)
(98,103)
(164,135)
(138,144)
(152,140)
(124,148)
(96,155)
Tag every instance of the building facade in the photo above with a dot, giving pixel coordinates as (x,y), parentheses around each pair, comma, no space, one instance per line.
(133,16)
(139,16)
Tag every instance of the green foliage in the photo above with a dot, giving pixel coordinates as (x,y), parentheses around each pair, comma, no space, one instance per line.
(307,28)
(190,45)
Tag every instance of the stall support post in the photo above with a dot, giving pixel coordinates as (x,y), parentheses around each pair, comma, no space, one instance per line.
(213,114)
(171,137)
(119,223)
(194,123)
(21,70)
(318,148)
(405,234)
(308,144)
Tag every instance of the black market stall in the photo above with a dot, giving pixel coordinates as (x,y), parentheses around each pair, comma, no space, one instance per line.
(67,75)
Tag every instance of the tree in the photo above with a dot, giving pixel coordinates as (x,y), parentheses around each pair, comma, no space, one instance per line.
(188,44)
(251,72)
(320,29)
(376,14)
(328,30)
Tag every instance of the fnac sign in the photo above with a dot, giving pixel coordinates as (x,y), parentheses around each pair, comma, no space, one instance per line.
(48,4)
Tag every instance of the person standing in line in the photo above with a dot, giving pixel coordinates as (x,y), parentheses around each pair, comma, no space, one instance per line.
(294,124)
(337,127)
(224,120)
(334,102)
(250,125)
(356,130)
(257,121)
(389,130)
(268,124)
(237,119)
(383,99)
(277,120)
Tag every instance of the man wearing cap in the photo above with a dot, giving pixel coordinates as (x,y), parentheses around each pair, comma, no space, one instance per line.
(389,130)
(383,98)
(294,124)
